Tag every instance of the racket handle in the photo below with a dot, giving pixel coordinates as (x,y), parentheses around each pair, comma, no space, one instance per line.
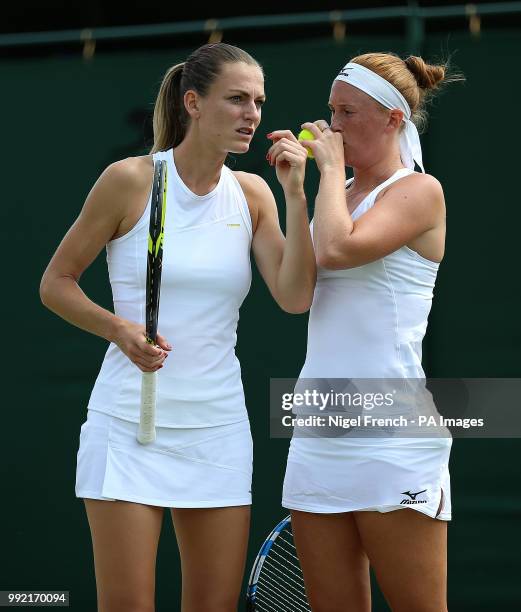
(147,417)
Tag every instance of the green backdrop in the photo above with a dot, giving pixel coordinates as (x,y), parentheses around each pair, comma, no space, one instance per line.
(66,119)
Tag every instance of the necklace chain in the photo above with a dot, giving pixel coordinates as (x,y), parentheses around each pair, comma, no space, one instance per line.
(351,194)
(373,186)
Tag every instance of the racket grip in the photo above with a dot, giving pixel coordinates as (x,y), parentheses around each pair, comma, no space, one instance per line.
(147,417)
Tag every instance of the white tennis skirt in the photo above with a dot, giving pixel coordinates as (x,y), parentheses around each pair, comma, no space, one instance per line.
(328,475)
(183,468)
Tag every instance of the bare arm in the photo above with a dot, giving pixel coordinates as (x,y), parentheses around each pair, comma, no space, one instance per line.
(287,264)
(412,207)
(111,201)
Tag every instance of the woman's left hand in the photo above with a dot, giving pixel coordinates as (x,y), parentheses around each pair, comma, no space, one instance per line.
(328,146)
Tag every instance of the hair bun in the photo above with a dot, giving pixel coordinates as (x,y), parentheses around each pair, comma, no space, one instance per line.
(427,76)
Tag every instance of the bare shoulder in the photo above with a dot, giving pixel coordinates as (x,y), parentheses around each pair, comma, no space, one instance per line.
(258,194)
(129,173)
(419,185)
(423,193)
(252,184)
(120,194)
(428,184)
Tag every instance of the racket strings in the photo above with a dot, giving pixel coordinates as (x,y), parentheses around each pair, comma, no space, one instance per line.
(274,581)
(275,578)
(289,554)
(297,571)
(280,585)
(278,574)
(275,564)
(289,543)
(279,603)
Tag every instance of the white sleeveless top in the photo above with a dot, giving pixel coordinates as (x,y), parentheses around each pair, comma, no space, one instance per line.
(206,276)
(369,321)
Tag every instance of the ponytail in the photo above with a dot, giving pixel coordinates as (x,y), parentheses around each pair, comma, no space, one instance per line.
(170,116)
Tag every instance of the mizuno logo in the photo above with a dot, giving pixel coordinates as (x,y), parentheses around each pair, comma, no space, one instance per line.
(413,495)
(413,500)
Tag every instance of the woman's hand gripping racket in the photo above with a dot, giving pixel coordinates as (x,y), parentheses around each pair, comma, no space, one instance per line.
(147,429)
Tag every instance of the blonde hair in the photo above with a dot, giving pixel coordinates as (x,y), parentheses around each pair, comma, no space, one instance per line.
(416,80)
(198,72)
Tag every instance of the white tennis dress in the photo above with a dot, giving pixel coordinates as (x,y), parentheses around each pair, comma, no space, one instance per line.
(368,322)
(202,456)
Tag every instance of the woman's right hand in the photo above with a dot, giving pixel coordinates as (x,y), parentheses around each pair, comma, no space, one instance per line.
(131,339)
(289,158)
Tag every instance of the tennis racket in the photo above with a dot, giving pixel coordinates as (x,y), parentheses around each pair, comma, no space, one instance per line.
(276,581)
(147,417)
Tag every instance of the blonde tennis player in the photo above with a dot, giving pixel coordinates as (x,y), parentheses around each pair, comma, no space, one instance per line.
(379,239)
(200,464)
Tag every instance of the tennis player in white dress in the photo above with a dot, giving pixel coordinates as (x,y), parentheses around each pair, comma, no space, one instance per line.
(379,239)
(200,465)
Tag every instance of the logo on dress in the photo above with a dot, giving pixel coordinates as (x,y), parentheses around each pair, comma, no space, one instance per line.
(413,499)
(233,225)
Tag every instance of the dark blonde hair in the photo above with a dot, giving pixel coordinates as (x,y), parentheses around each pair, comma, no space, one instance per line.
(198,72)
(416,80)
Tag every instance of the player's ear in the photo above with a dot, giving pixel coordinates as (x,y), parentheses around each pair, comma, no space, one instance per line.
(191,102)
(395,119)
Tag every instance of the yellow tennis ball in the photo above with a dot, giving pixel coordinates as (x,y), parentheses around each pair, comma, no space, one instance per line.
(307,135)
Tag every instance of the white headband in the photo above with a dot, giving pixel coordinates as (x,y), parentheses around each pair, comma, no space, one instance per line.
(381,90)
